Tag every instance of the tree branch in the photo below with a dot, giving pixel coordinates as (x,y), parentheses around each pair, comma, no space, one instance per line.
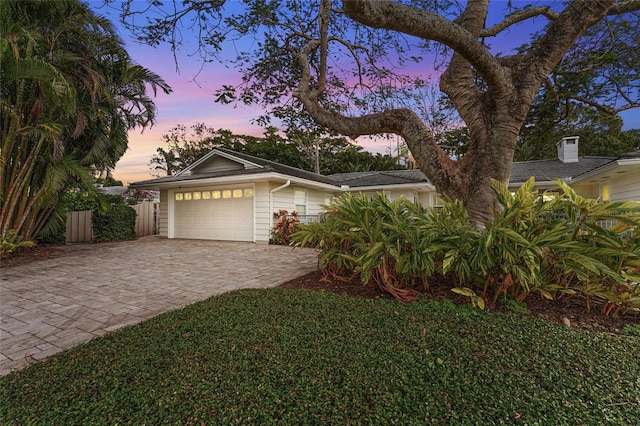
(561,35)
(519,16)
(624,7)
(427,25)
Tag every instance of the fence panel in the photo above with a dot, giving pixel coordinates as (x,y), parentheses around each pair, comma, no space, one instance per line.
(79,227)
(79,224)
(147,218)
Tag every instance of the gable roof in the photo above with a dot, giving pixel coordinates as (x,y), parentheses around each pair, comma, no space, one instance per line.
(390,177)
(541,170)
(251,165)
(549,170)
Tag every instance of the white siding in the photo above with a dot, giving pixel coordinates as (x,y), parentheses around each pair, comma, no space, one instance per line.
(315,200)
(164,213)
(626,186)
(263,215)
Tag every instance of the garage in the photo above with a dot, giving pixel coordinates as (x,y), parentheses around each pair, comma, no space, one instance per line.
(214,214)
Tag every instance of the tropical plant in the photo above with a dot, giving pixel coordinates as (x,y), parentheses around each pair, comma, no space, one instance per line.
(285,227)
(555,245)
(11,242)
(70,93)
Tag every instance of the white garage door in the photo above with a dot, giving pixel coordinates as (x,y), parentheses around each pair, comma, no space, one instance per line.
(218,214)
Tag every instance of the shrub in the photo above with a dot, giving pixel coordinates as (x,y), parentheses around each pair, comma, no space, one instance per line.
(11,242)
(373,238)
(556,245)
(285,227)
(118,223)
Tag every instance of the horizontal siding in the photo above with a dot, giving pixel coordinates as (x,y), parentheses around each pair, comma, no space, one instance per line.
(626,187)
(315,200)
(164,213)
(263,215)
(282,199)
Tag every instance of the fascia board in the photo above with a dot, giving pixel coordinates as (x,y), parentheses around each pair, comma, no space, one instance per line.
(415,186)
(595,172)
(238,179)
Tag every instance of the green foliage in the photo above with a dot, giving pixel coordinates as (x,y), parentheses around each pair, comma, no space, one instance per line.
(11,242)
(371,237)
(337,155)
(285,227)
(70,93)
(117,223)
(633,329)
(553,245)
(303,357)
(515,306)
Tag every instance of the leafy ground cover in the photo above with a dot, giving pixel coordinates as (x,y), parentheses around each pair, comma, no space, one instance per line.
(285,356)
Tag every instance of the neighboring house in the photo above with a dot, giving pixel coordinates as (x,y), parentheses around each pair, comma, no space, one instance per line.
(228,195)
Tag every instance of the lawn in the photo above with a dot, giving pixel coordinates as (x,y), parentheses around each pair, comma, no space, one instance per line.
(307,357)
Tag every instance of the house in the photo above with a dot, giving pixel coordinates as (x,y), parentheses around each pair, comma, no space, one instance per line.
(227,195)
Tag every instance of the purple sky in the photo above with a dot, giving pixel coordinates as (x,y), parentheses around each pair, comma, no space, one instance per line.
(192,102)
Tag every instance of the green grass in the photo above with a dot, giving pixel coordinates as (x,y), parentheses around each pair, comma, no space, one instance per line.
(304,357)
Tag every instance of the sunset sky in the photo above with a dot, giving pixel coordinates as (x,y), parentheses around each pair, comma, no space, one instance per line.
(193,101)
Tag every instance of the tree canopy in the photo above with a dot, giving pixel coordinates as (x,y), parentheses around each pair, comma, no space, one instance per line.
(70,93)
(354,65)
(184,146)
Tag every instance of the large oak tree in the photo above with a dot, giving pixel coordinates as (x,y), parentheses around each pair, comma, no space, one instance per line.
(346,63)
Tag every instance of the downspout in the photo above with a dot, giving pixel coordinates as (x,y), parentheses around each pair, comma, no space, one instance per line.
(287,183)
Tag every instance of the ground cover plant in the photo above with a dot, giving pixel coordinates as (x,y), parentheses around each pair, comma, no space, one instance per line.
(284,356)
(559,246)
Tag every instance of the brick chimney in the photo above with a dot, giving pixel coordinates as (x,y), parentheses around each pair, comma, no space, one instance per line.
(568,149)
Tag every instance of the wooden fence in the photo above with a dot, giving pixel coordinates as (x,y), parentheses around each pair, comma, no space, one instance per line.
(79,224)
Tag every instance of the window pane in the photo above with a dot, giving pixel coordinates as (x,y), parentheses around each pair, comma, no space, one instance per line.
(215,194)
(300,196)
(196,195)
(187,196)
(226,193)
(248,192)
(206,195)
(237,193)
(178,196)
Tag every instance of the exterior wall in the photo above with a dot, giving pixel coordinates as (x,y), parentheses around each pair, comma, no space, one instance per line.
(626,187)
(316,199)
(590,190)
(282,199)
(262,214)
(164,213)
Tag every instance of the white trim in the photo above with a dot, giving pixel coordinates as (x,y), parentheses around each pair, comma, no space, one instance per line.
(419,187)
(226,180)
(607,168)
(283,186)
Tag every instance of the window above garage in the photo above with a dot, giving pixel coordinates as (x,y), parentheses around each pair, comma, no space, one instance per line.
(214,195)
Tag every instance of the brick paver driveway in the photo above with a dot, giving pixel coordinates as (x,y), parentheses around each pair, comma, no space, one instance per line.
(51,305)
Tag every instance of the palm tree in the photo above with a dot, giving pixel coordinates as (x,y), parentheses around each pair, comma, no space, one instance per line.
(70,94)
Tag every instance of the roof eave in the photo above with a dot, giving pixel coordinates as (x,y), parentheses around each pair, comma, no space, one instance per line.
(243,178)
(417,185)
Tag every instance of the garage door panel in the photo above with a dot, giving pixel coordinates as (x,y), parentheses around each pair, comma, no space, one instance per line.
(215,218)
